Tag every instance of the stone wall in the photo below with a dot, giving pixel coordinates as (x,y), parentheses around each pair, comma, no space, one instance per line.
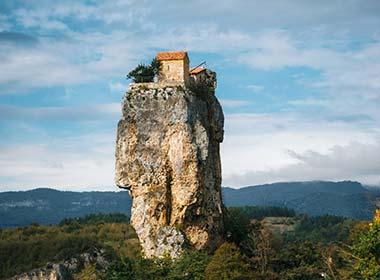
(174,70)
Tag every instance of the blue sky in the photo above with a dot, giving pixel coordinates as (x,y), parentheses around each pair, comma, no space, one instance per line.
(298,81)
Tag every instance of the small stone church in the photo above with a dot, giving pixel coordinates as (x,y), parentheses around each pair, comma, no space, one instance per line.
(175,68)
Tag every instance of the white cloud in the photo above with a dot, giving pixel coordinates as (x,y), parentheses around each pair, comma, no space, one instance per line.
(255,88)
(256,150)
(84,56)
(117,87)
(250,15)
(344,71)
(46,16)
(316,35)
(84,161)
(355,161)
(37,18)
(235,103)
(52,63)
(4,23)
(28,68)
(80,113)
(310,102)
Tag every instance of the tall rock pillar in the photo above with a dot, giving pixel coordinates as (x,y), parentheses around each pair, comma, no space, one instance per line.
(167,156)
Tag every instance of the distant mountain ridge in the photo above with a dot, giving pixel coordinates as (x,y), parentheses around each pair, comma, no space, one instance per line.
(49,206)
(346,198)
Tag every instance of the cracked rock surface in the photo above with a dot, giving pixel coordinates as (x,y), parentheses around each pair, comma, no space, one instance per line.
(167,156)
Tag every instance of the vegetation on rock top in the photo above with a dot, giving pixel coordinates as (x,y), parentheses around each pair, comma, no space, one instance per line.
(145,73)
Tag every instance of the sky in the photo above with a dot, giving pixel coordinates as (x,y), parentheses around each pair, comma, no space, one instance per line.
(299,83)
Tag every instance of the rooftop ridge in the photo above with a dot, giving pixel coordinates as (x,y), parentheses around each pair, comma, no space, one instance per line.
(176,55)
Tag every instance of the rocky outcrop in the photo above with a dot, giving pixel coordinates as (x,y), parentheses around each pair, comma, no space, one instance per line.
(65,270)
(167,156)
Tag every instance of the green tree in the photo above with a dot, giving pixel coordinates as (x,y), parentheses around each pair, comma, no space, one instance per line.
(191,266)
(228,264)
(257,246)
(121,270)
(145,73)
(298,261)
(152,269)
(367,251)
(156,66)
(237,224)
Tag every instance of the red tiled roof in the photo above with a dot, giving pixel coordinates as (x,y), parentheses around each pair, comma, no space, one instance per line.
(171,55)
(197,70)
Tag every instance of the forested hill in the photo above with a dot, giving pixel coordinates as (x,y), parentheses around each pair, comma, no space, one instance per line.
(315,198)
(48,206)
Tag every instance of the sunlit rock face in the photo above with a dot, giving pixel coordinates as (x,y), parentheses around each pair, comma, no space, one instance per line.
(167,156)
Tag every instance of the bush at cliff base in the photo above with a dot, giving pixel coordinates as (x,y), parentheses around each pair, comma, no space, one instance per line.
(228,264)
(190,266)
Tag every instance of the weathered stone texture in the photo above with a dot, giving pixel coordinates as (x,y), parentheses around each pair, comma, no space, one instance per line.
(167,156)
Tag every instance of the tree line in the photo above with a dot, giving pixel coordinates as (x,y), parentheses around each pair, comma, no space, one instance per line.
(325,247)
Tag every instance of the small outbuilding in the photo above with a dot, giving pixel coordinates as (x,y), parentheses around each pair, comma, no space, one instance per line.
(174,67)
(197,73)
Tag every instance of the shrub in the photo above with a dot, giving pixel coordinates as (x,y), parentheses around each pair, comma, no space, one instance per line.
(236,224)
(145,73)
(367,250)
(228,264)
(121,270)
(88,273)
(191,266)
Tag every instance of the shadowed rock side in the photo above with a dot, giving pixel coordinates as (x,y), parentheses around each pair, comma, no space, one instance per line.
(167,155)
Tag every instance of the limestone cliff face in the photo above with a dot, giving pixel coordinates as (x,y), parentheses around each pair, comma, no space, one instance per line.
(167,156)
